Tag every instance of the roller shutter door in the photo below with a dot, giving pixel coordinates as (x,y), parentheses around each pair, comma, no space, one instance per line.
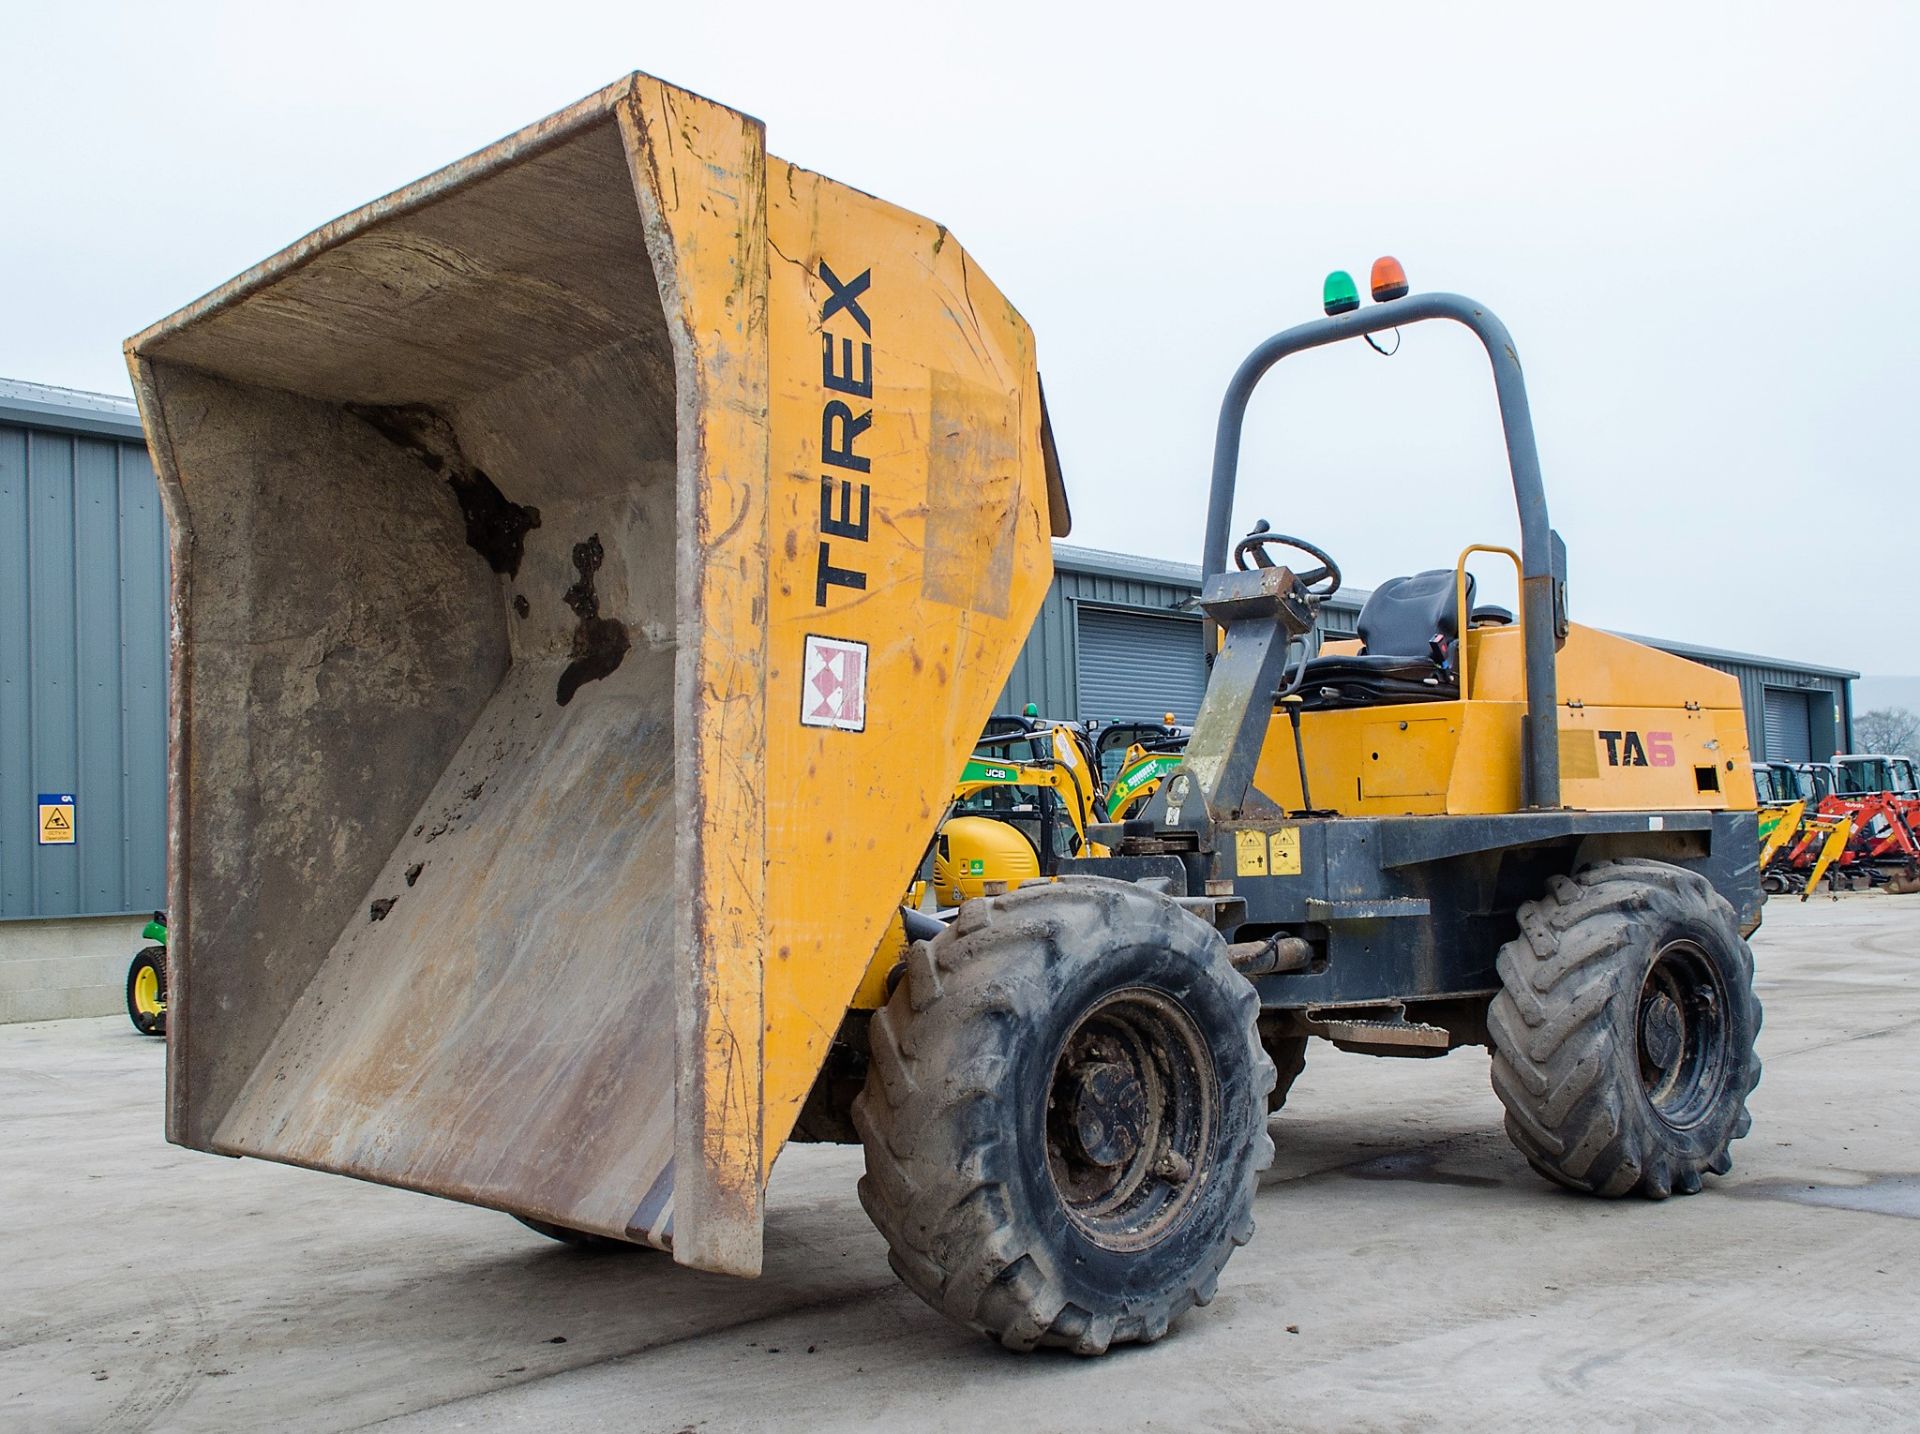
(1788,728)
(1136,665)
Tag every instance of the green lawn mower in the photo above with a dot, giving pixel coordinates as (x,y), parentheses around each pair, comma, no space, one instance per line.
(147,980)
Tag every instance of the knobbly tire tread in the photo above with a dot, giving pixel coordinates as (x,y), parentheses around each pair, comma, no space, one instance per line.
(1565,1062)
(948,1176)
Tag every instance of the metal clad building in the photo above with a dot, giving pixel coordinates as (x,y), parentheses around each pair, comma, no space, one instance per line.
(1094,597)
(83,655)
(1796,712)
(1119,638)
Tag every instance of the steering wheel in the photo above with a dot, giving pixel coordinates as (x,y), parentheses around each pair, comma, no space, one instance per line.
(1321,582)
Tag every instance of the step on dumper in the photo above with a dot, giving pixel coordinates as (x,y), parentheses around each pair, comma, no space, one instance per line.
(591,565)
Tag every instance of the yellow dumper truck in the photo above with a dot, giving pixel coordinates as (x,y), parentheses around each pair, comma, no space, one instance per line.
(592,566)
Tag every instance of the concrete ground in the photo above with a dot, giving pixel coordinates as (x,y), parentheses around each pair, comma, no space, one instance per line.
(1410,1271)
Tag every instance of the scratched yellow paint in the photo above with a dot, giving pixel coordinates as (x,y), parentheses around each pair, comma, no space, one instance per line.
(699,172)
(933,371)
(1639,730)
(870,545)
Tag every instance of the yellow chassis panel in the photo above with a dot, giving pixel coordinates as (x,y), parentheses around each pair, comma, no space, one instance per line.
(1639,730)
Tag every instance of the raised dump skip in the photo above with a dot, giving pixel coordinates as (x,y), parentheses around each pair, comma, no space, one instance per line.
(592,565)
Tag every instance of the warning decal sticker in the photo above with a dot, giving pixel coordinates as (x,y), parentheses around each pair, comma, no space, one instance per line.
(833,684)
(56,819)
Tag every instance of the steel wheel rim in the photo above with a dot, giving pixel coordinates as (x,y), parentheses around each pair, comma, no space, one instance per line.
(1132,1109)
(146,991)
(1681,1034)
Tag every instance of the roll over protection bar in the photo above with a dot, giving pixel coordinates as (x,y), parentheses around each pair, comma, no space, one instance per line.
(1542,555)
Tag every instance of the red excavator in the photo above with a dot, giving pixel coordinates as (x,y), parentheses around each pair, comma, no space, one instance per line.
(1865,829)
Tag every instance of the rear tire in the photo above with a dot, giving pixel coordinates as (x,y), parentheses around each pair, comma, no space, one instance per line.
(578,1239)
(147,991)
(1289,1057)
(1624,1033)
(1063,1117)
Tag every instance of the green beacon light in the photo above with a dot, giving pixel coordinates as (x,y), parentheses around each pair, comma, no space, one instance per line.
(1340,295)
(1033,709)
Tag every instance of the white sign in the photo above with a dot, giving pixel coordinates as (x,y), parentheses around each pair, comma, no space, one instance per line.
(833,684)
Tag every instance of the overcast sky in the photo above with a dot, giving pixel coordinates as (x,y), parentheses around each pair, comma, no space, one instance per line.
(1699,221)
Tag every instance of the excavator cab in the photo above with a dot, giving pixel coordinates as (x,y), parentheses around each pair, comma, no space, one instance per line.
(1821,778)
(1115,743)
(1862,775)
(1024,803)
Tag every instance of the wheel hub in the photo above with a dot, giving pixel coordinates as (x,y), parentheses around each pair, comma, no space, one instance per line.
(1109,1113)
(1685,1045)
(1131,1116)
(1661,1036)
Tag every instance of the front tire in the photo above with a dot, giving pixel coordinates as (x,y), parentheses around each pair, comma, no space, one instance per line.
(1624,1033)
(1064,1117)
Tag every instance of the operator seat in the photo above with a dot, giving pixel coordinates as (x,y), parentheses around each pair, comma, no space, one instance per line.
(1409,631)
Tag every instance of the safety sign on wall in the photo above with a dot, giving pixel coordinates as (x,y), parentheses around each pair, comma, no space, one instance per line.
(56,818)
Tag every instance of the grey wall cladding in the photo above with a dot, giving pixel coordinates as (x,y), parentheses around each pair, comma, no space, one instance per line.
(83,676)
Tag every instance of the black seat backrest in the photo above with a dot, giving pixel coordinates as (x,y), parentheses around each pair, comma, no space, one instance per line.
(1405,616)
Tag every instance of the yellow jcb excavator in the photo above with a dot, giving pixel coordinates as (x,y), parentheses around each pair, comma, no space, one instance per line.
(1023,803)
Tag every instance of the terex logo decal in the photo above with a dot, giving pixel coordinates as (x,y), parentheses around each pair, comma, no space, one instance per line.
(843,503)
(1628,749)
